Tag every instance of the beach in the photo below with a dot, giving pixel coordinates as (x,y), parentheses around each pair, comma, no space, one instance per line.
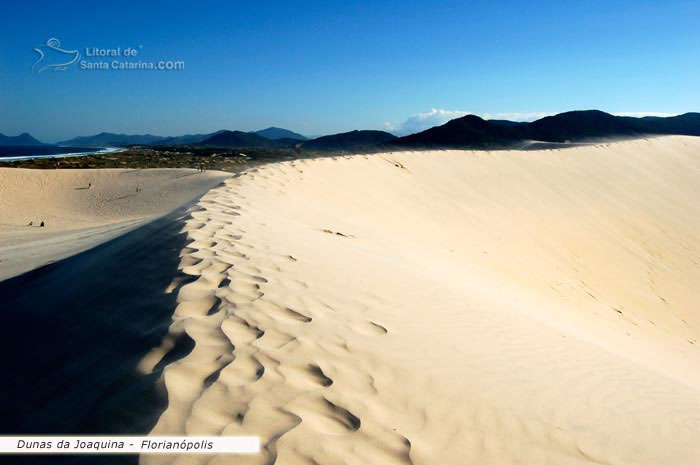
(14,154)
(437,307)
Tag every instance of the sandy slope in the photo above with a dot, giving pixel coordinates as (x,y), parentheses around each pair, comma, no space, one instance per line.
(77,217)
(446,308)
(75,332)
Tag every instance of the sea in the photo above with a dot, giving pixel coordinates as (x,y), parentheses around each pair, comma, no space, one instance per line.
(50,151)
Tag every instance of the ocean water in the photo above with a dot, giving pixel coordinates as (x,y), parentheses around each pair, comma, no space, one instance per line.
(48,151)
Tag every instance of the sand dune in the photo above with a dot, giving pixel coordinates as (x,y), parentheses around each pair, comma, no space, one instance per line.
(445,308)
(82,208)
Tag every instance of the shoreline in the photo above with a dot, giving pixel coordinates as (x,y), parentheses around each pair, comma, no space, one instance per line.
(102,151)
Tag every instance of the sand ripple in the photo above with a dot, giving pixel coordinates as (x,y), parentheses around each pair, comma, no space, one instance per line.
(444,308)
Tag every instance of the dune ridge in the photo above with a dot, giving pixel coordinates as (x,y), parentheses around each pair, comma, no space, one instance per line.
(445,307)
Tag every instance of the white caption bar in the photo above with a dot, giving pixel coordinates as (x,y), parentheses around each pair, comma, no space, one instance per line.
(129,444)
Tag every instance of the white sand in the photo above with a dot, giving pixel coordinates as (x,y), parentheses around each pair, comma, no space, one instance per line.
(447,308)
(77,218)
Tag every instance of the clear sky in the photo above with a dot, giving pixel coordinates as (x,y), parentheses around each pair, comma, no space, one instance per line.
(320,67)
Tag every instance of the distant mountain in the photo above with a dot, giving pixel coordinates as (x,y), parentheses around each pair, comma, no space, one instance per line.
(575,126)
(594,124)
(687,124)
(580,125)
(220,138)
(274,133)
(239,139)
(187,139)
(467,131)
(349,140)
(108,139)
(22,140)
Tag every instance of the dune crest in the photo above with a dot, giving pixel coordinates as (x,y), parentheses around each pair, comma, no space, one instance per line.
(445,308)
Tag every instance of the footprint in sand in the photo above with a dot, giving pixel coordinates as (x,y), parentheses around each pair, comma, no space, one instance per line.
(306,377)
(325,417)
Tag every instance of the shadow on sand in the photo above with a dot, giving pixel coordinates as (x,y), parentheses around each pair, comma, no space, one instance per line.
(74,332)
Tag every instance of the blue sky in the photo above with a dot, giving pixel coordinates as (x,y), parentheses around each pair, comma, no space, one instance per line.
(320,67)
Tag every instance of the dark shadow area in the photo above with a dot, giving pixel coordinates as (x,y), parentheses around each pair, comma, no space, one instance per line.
(74,332)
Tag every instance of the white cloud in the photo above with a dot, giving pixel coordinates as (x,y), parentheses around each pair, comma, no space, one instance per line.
(423,121)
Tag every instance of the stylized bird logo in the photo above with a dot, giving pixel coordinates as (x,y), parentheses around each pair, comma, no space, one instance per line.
(55,57)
